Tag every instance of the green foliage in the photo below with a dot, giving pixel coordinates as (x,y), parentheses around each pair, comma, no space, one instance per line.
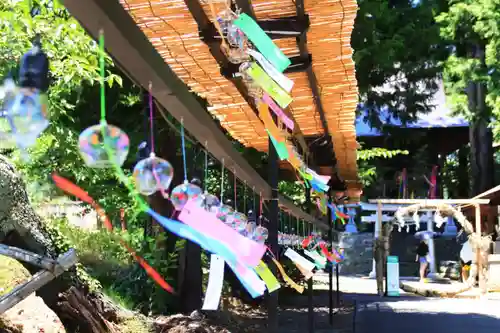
(105,264)
(473,27)
(369,154)
(63,244)
(367,170)
(397,45)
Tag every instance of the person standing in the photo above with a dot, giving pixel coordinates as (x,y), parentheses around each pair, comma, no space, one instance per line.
(466,259)
(423,258)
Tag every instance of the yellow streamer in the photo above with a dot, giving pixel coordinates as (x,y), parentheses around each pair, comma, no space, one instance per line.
(265,273)
(287,279)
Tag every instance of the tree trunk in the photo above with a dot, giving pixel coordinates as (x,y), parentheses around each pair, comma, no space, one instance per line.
(21,227)
(463,185)
(481,137)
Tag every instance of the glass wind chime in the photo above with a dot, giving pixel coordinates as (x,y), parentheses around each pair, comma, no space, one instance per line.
(24,106)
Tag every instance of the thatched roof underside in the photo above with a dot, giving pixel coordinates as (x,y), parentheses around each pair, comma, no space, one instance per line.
(174,33)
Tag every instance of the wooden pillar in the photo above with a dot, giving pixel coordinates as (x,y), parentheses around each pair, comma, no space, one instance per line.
(379,252)
(330,273)
(273,169)
(310,286)
(463,182)
(479,256)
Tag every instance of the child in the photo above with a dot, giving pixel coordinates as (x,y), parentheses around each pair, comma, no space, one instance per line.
(422,253)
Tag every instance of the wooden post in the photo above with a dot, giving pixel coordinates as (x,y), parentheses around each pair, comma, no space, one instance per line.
(273,209)
(56,268)
(310,286)
(330,273)
(479,256)
(379,252)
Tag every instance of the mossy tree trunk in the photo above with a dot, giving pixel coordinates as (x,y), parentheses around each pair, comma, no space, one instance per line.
(21,227)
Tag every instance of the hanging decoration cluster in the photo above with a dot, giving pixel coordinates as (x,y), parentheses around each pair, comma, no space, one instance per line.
(261,68)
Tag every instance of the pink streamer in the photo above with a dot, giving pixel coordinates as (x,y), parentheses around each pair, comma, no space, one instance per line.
(248,251)
(278,112)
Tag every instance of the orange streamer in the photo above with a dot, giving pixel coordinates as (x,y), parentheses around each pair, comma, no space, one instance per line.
(78,192)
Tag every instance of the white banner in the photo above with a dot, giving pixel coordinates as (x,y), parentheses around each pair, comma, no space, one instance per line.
(215,281)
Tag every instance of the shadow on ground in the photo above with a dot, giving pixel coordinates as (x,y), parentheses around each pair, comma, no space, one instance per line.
(417,322)
(294,314)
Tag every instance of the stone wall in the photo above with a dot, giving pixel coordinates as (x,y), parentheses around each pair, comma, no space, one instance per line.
(358,252)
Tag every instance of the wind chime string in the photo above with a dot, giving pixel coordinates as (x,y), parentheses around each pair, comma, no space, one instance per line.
(183,147)
(205,180)
(235,185)
(151,124)
(102,76)
(222,182)
(254,207)
(245,197)
(260,209)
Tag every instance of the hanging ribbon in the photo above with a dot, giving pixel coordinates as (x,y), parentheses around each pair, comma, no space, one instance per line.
(269,123)
(337,214)
(260,77)
(265,273)
(215,283)
(262,42)
(247,276)
(299,260)
(287,279)
(278,112)
(319,260)
(78,192)
(249,251)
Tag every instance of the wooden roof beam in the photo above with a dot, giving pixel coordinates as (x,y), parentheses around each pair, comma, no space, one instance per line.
(129,47)
(313,82)
(286,27)
(298,64)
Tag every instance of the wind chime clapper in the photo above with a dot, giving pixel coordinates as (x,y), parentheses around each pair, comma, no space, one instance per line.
(24,108)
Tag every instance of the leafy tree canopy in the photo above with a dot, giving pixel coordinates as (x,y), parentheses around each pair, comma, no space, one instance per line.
(397,52)
(472,27)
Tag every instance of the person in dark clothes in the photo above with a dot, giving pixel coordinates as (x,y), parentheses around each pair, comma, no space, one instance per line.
(423,258)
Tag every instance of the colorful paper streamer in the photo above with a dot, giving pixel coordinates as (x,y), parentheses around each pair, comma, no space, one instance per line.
(260,77)
(248,251)
(215,282)
(267,276)
(276,75)
(262,42)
